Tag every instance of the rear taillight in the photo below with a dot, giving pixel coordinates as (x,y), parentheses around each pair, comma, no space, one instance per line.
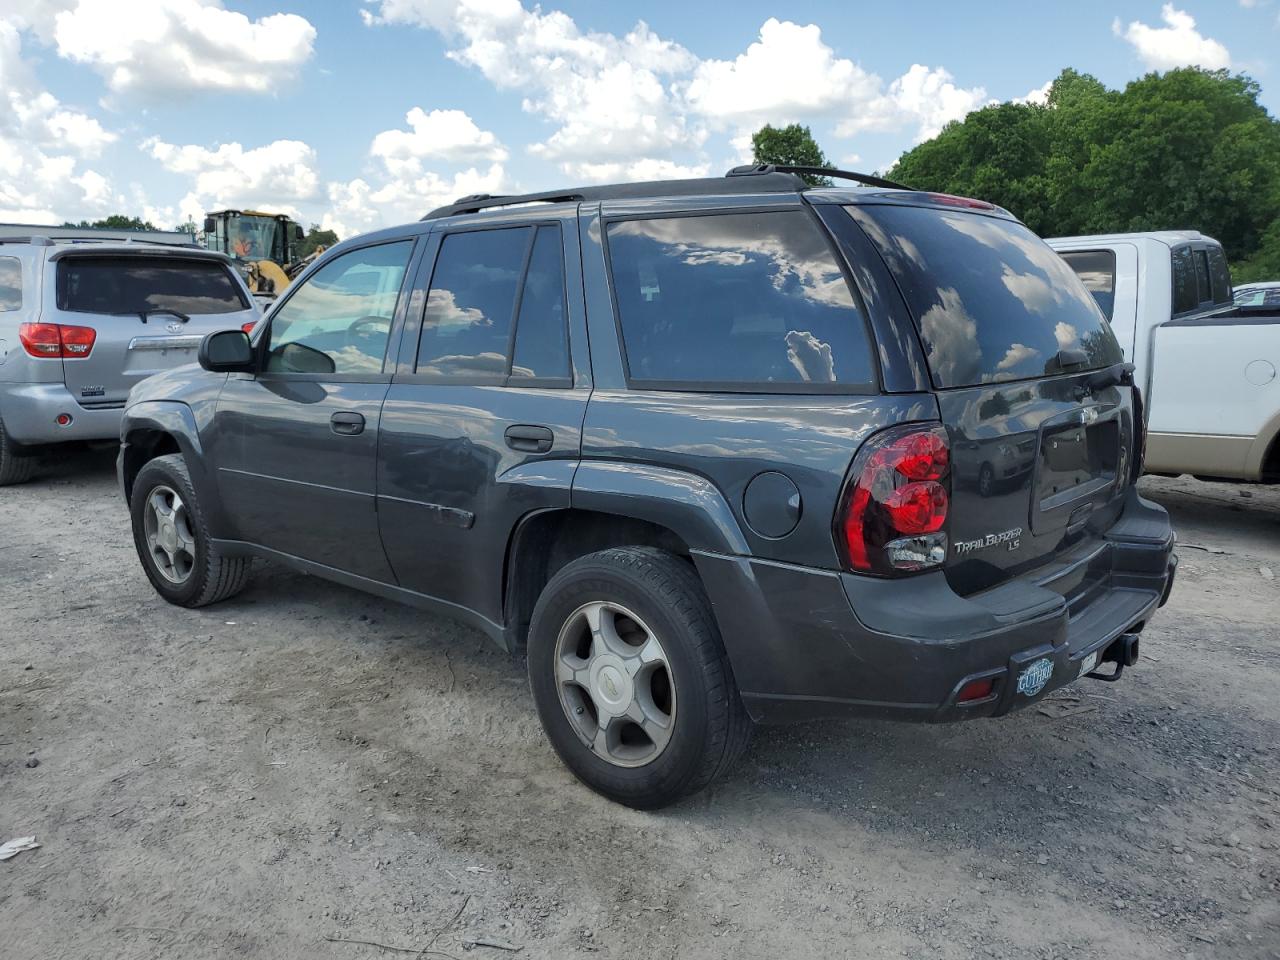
(57,340)
(248,327)
(894,509)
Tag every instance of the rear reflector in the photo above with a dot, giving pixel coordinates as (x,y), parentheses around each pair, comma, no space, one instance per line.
(976,690)
(57,340)
(895,506)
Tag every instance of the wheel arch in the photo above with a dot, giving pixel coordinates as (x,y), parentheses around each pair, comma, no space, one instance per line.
(544,541)
(155,428)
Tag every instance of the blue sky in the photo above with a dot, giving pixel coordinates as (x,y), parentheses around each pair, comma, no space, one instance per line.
(356,114)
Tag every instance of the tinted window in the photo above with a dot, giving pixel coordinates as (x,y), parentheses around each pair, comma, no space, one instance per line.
(991,300)
(751,298)
(542,349)
(1186,296)
(466,328)
(1219,275)
(342,311)
(10,284)
(1202,275)
(1097,271)
(133,285)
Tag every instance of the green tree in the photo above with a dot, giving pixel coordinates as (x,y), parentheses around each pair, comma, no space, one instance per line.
(316,238)
(117,221)
(1186,149)
(791,145)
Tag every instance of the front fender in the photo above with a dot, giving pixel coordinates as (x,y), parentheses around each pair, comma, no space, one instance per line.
(688,505)
(142,424)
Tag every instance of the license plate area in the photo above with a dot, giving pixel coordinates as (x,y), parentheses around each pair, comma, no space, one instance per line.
(1076,468)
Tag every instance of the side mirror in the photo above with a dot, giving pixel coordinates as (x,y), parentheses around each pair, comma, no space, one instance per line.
(298,233)
(226,351)
(300,358)
(210,225)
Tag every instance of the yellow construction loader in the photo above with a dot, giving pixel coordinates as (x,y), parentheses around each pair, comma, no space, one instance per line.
(264,245)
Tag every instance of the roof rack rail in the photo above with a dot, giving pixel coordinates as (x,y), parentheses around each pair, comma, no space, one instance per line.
(769,181)
(758,169)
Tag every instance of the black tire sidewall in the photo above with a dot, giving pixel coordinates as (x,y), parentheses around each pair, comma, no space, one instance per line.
(664,778)
(154,474)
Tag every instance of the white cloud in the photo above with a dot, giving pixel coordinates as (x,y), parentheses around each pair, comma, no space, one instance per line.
(1177,44)
(789,74)
(449,135)
(163,47)
(1016,354)
(357,205)
(608,96)
(643,169)
(278,177)
(43,144)
(618,100)
(1037,97)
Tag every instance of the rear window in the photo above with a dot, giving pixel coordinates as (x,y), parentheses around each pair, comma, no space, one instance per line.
(1186,292)
(991,300)
(742,301)
(1097,271)
(1219,275)
(134,285)
(10,284)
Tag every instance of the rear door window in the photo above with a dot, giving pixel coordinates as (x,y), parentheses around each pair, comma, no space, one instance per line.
(741,301)
(1097,271)
(141,285)
(496,311)
(10,284)
(991,300)
(1186,294)
(1219,275)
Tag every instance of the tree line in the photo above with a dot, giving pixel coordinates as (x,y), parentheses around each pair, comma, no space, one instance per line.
(1188,149)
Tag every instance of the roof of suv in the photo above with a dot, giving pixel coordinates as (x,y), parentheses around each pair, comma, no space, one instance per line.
(751,179)
(1167,237)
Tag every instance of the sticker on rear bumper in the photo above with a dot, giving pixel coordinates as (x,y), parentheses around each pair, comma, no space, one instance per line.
(1033,679)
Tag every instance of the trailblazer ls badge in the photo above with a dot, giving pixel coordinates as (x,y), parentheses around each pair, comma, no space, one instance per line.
(1011,538)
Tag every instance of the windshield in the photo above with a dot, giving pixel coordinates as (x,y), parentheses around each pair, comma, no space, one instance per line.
(254,238)
(991,300)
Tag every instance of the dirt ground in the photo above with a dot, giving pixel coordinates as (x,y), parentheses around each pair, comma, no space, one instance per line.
(306,771)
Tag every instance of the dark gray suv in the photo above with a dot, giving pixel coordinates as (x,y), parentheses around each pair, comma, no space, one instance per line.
(710,452)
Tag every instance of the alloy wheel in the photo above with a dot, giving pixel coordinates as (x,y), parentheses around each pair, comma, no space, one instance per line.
(615,684)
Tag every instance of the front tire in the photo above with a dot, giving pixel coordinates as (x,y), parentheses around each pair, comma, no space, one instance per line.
(179,557)
(630,677)
(14,467)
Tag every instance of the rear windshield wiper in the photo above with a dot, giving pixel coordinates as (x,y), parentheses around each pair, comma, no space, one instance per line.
(144,314)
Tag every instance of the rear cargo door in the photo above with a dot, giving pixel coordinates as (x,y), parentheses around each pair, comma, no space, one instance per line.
(1026,372)
(148,310)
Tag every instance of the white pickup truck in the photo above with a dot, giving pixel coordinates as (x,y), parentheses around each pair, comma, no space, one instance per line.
(1207,367)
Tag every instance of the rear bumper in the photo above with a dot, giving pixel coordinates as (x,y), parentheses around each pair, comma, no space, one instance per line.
(30,410)
(806,643)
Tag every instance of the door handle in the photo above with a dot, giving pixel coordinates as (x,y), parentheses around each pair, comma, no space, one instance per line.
(346,424)
(528,438)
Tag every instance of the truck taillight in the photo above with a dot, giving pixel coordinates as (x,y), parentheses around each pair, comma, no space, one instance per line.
(894,509)
(57,340)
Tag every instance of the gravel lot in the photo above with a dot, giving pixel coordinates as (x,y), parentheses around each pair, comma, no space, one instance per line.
(306,768)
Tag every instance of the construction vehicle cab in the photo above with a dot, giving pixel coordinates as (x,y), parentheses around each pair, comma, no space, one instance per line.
(264,246)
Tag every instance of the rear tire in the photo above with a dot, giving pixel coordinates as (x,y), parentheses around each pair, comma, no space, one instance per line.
(178,555)
(15,467)
(685,724)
